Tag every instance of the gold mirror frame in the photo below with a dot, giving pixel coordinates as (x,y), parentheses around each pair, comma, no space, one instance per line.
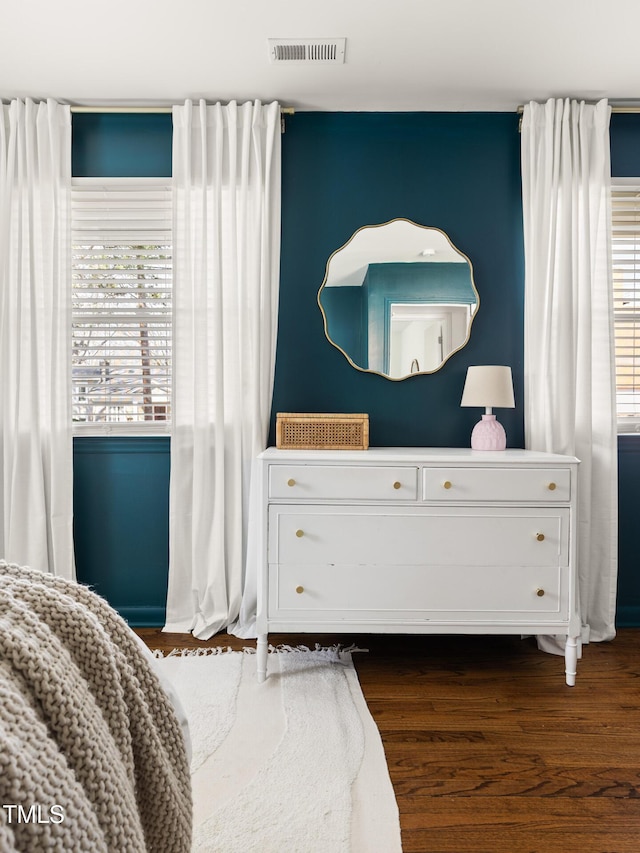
(401,251)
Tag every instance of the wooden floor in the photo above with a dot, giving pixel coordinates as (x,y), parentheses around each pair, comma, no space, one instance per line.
(489,751)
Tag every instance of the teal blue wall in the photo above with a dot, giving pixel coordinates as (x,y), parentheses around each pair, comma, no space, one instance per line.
(121,510)
(458,172)
(121,484)
(625,163)
(121,145)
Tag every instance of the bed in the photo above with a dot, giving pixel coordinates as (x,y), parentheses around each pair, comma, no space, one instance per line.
(93,754)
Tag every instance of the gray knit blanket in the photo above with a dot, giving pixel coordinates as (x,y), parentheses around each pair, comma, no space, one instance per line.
(92,757)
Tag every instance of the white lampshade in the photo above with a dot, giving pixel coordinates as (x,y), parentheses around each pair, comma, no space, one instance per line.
(488,385)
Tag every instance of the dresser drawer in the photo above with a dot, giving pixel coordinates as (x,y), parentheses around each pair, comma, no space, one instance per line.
(418,592)
(455,536)
(533,485)
(342,482)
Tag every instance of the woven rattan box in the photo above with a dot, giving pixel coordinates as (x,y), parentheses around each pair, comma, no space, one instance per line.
(309,431)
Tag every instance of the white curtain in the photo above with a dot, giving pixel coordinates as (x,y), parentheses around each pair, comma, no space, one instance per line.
(35,337)
(226,177)
(569,338)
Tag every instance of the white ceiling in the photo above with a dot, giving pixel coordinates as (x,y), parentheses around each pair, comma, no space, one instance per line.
(400,54)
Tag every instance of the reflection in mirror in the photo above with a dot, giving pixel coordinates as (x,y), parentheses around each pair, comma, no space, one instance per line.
(398,299)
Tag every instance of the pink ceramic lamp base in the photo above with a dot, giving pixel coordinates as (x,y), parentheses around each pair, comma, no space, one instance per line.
(488,434)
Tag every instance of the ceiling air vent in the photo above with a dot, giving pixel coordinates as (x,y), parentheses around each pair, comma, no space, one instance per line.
(307,51)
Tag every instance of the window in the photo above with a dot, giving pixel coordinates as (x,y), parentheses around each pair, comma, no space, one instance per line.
(121,298)
(626,299)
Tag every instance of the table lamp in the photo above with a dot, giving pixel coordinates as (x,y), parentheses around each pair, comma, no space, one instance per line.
(488,385)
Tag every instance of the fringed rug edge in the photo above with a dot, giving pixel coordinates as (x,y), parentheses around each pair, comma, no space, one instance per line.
(336,650)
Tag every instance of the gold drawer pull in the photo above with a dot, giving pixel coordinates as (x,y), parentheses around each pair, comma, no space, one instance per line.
(299,533)
(300,590)
(446,484)
(397,484)
(291,482)
(551,487)
(540,537)
(539,593)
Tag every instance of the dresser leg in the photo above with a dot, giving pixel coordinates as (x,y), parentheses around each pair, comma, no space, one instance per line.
(571,660)
(261,657)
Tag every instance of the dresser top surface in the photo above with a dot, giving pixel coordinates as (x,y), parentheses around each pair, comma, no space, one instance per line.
(418,456)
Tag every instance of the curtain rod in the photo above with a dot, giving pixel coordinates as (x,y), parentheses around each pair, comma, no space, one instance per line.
(96,109)
(628,109)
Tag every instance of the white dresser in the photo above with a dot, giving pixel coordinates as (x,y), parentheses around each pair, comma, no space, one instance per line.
(417,540)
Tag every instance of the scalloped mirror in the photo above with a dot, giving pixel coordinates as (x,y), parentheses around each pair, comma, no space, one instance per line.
(398,299)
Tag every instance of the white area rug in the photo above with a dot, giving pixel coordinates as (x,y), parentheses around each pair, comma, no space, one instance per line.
(294,765)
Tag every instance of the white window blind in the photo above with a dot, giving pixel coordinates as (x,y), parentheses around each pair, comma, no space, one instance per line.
(122,283)
(625,221)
